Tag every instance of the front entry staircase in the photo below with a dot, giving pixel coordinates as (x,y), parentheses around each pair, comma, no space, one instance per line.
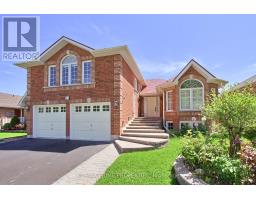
(142,133)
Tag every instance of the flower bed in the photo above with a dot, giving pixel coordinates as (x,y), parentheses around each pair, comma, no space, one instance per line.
(209,156)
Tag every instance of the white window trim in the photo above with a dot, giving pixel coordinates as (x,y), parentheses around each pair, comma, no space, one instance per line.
(191,96)
(86,61)
(167,99)
(49,75)
(166,124)
(69,71)
(190,123)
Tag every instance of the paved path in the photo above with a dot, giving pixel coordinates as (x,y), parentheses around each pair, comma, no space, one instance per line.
(92,169)
(41,161)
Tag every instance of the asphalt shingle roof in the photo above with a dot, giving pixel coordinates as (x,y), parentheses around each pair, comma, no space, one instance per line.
(151,86)
(9,100)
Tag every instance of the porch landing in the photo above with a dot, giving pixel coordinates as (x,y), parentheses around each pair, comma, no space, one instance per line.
(143,133)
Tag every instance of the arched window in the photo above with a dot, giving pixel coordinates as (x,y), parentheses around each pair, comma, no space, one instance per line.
(191,95)
(69,70)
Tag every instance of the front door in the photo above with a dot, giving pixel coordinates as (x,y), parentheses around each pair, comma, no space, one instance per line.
(151,107)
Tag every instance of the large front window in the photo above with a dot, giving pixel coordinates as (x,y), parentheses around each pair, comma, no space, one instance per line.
(69,70)
(191,95)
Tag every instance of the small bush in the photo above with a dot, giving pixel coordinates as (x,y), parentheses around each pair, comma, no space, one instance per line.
(226,170)
(184,128)
(191,148)
(202,128)
(248,157)
(7,126)
(14,121)
(20,127)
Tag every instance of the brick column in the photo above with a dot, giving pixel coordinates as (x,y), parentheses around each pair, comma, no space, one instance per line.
(117,102)
(29,111)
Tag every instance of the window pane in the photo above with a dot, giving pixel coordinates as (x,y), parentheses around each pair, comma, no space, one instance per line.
(63,109)
(69,60)
(185,99)
(64,74)
(87,108)
(87,72)
(169,100)
(52,76)
(105,108)
(73,73)
(96,108)
(191,84)
(197,95)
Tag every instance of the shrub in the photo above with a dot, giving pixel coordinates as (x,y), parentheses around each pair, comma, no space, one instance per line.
(191,148)
(14,121)
(20,127)
(184,128)
(226,170)
(208,154)
(248,157)
(202,128)
(7,126)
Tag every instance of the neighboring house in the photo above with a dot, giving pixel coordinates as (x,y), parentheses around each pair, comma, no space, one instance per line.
(250,81)
(77,92)
(9,107)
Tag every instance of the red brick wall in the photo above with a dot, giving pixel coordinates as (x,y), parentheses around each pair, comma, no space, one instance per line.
(127,95)
(176,115)
(107,74)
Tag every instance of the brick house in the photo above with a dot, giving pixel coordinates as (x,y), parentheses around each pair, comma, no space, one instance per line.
(9,107)
(251,81)
(77,92)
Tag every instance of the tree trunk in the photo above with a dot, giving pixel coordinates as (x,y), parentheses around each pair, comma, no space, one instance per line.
(235,145)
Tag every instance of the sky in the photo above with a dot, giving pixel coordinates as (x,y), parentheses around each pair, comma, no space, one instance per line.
(161,44)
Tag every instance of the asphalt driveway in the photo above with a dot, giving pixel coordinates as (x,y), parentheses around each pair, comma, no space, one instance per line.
(42,161)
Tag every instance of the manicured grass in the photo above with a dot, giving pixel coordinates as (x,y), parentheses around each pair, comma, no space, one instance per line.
(143,168)
(5,135)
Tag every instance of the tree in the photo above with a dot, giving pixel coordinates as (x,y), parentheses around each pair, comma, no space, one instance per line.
(236,111)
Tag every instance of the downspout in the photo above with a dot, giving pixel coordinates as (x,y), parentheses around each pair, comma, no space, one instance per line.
(164,110)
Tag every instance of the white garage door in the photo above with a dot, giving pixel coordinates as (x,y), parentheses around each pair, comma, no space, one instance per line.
(49,121)
(90,121)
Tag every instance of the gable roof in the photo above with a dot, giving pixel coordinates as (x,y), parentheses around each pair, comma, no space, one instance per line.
(9,100)
(204,72)
(150,89)
(60,43)
(246,82)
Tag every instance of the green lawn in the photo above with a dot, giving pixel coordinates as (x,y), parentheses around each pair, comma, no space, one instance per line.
(5,135)
(142,168)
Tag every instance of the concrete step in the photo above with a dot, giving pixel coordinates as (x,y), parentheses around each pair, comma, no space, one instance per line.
(156,142)
(124,146)
(147,135)
(143,127)
(143,131)
(144,120)
(145,124)
(154,118)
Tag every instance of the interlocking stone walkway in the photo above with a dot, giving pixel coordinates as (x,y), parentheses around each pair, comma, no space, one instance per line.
(92,169)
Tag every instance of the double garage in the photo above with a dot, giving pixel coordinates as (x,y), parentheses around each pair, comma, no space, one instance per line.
(88,121)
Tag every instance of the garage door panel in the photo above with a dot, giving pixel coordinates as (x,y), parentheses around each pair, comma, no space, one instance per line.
(90,124)
(49,124)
